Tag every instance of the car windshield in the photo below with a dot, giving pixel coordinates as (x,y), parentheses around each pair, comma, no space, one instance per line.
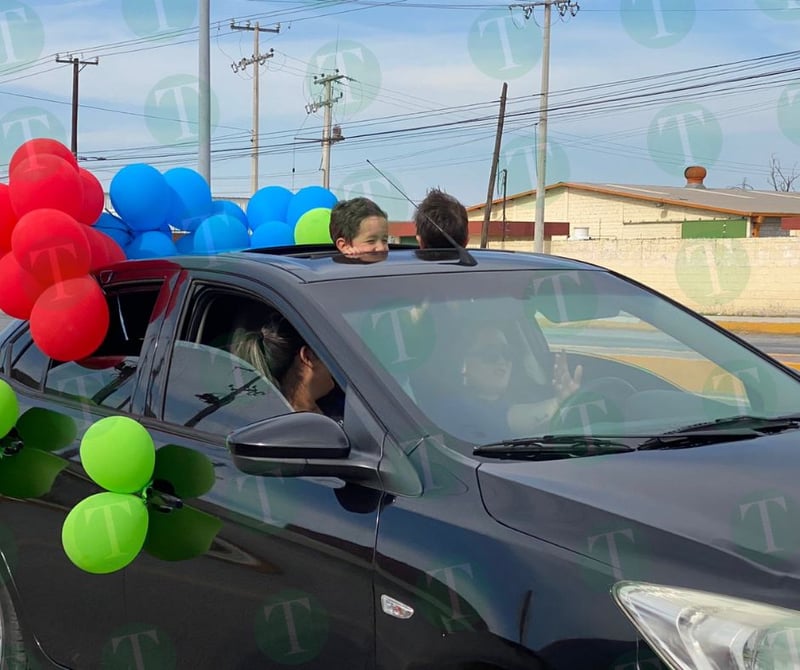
(491,356)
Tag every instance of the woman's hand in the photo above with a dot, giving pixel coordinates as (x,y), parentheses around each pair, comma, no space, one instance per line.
(564,383)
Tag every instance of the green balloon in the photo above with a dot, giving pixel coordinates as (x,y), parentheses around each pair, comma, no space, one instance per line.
(180,534)
(45,429)
(30,473)
(118,453)
(313,227)
(189,473)
(9,408)
(105,532)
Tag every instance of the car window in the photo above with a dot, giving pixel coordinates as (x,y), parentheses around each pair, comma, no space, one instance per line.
(28,363)
(208,387)
(501,355)
(107,378)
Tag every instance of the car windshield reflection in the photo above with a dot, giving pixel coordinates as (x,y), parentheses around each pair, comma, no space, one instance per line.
(492,356)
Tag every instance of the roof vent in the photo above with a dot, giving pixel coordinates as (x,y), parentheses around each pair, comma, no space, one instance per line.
(694,176)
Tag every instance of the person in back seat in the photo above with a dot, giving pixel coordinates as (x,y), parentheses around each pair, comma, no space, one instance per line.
(278,352)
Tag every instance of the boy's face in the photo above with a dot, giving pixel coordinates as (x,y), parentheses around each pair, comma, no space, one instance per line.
(373,235)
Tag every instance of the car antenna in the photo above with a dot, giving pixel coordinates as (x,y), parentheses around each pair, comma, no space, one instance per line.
(464,256)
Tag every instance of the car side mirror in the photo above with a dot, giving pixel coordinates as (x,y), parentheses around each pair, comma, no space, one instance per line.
(297,444)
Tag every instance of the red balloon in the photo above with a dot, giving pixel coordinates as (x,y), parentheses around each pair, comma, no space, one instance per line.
(93,198)
(7,219)
(70,319)
(19,289)
(45,181)
(105,251)
(38,146)
(52,245)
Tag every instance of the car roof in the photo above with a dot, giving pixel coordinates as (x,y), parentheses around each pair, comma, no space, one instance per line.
(314,263)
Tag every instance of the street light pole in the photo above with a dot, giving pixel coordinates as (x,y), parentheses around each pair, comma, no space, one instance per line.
(204,92)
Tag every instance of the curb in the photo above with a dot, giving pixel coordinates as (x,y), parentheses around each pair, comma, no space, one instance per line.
(765,327)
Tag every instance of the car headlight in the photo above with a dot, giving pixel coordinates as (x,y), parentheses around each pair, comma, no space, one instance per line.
(695,630)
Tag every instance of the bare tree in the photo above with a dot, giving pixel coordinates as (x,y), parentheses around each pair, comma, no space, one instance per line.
(780,179)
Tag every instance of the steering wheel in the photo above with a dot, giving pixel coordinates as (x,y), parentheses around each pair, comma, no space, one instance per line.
(603,395)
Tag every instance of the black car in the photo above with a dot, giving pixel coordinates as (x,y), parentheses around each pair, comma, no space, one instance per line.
(525,462)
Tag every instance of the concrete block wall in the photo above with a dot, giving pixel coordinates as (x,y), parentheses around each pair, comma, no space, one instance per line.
(727,277)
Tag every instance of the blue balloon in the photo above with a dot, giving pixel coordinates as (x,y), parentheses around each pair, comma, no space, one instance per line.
(270,203)
(140,195)
(121,237)
(107,220)
(220,232)
(185,243)
(191,201)
(231,208)
(272,234)
(151,244)
(306,199)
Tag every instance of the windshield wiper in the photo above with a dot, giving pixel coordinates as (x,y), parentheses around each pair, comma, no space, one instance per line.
(727,429)
(552,446)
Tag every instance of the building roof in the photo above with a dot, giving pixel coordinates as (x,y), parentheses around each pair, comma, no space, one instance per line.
(740,202)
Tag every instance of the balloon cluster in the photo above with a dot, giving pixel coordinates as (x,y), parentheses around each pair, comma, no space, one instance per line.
(106,531)
(173,213)
(27,468)
(49,247)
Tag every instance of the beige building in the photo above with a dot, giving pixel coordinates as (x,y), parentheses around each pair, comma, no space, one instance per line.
(624,212)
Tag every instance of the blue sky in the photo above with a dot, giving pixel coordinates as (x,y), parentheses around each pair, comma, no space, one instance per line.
(420,98)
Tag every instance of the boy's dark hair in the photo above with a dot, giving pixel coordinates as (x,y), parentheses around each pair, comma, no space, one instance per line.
(443,209)
(347,215)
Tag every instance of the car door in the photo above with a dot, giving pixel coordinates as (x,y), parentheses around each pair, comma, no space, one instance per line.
(76,616)
(251,571)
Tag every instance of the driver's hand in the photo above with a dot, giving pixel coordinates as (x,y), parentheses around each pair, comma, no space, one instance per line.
(564,383)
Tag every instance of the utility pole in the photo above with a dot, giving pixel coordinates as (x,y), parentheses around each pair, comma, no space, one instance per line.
(504,171)
(257,60)
(328,138)
(563,6)
(204,92)
(487,210)
(77,65)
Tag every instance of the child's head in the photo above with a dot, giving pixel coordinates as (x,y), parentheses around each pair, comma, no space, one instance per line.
(358,225)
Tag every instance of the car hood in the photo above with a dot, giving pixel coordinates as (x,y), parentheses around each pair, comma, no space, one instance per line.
(727,508)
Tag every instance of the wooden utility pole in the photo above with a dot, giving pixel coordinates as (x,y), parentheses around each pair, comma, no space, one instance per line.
(257,59)
(487,211)
(77,66)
